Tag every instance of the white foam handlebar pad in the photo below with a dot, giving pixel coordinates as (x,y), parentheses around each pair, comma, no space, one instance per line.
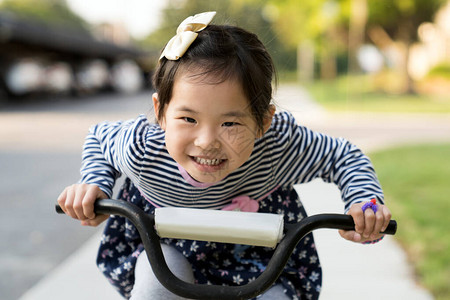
(248,228)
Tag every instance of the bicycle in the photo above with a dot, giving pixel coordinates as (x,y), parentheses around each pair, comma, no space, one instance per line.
(290,235)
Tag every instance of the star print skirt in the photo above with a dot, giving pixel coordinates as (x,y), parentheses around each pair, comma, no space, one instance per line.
(214,263)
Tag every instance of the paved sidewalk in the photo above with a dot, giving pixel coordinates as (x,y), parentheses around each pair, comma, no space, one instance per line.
(76,278)
(351,271)
(354,271)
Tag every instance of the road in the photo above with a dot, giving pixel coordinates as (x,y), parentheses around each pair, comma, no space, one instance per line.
(40,154)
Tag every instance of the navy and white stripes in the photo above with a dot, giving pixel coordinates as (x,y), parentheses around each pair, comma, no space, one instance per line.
(287,154)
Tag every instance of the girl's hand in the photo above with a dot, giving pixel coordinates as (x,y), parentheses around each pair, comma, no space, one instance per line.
(368,224)
(78,201)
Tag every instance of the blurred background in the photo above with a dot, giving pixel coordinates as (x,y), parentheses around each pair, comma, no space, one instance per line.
(67,64)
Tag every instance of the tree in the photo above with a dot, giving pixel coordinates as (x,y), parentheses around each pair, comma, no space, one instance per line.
(321,23)
(176,11)
(400,19)
(55,12)
(249,14)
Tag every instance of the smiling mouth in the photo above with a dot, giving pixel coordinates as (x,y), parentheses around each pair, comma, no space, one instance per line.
(208,162)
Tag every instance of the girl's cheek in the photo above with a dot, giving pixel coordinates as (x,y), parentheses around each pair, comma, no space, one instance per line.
(239,139)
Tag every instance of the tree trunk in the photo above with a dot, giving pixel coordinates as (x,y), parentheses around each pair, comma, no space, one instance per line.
(305,62)
(328,68)
(404,34)
(358,20)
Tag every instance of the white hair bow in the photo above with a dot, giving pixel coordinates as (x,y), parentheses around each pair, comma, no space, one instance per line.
(186,34)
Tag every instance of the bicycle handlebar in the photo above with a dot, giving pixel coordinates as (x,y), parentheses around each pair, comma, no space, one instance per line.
(293,234)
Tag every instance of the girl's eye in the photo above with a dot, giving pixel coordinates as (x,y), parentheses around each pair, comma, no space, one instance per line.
(229,124)
(189,120)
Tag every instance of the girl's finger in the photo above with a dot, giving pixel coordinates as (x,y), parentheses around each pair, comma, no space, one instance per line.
(358,217)
(350,235)
(88,202)
(96,221)
(80,192)
(369,222)
(62,200)
(69,202)
(379,222)
(387,217)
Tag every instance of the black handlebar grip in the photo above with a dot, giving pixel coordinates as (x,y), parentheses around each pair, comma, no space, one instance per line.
(391,228)
(58,209)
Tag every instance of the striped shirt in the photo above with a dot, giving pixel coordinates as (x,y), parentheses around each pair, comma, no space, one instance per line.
(285,155)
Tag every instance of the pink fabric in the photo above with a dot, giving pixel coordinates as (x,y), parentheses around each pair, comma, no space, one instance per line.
(247,204)
(191,180)
(243,203)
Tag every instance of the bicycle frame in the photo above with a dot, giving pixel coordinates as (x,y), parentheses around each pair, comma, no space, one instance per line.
(293,233)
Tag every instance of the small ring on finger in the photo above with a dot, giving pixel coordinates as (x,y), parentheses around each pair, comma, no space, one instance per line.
(372,204)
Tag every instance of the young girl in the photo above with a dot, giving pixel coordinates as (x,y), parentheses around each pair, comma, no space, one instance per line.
(217,144)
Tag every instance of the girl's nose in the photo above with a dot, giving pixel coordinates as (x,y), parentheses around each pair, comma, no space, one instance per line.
(207,139)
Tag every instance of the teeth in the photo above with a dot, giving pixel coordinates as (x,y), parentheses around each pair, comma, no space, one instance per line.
(209,162)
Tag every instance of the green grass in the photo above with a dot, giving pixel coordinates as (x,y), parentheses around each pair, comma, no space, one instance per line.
(441,70)
(374,94)
(416,182)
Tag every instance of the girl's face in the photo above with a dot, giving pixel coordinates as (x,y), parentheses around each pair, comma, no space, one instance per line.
(209,128)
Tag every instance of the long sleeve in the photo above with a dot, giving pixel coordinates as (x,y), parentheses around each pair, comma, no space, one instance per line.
(309,155)
(112,149)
